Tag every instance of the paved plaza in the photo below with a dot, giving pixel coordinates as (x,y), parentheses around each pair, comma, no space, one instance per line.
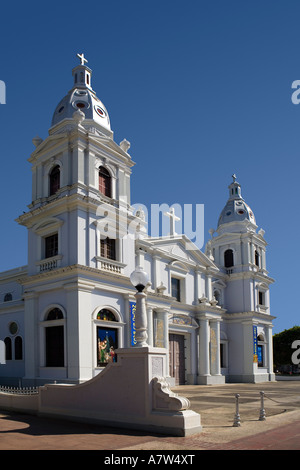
(216,404)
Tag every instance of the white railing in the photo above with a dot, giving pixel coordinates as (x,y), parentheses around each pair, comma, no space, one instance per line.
(48,265)
(18,390)
(110,266)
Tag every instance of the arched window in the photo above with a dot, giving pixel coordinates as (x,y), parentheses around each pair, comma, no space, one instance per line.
(18,348)
(55,314)
(107,339)
(8,297)
(54,180)
(217,296)
(228,258)
(104,182)
(54,339)
(8,349)
(106,315)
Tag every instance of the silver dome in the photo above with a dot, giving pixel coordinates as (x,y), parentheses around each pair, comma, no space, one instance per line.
(82,97)
(87,102)
(236,209)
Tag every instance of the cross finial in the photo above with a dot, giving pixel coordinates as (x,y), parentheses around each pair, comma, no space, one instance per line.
(234,177)
(173,219)
(82,59)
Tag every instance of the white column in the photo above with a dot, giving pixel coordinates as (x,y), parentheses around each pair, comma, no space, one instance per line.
(215,347)
(198,286)
(269,347)
(163,336)
(263,259)
(194,354)
(34,184)
(162,319)
(208,287)
(248,366)
(31,335)
(156,272)
(150,325)
(140,257)
(78,160)
(204,335)
(41,183)
(141,320)
(252,253)
(80,346)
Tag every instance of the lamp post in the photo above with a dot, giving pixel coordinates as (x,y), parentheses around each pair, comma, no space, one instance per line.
(139,279)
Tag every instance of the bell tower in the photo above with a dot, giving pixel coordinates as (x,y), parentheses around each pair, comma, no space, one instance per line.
(80,209)
(239,251)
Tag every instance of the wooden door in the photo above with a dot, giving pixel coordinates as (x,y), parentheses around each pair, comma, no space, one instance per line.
(176,358)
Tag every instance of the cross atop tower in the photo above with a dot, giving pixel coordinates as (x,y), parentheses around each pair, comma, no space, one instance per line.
(234,177)
(173,219)
(82,59)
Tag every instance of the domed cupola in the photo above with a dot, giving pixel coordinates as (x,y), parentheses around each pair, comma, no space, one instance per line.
(236,216)
(82,97)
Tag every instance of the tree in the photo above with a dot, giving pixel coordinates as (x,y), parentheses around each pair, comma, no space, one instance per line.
(282,346)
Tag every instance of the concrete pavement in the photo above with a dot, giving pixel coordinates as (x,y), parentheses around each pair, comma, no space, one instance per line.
(216,404)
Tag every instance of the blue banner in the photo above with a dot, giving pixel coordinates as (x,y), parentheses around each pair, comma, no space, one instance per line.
(255,353)
(260,355)
(132,310)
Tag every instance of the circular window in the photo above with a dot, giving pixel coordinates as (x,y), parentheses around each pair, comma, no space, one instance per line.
(241,212)
(13,328)
(80,104)
(228,213)
(100,111)
(61,109)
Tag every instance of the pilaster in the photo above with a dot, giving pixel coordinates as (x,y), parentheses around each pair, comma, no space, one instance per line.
(31,322)
(79,359)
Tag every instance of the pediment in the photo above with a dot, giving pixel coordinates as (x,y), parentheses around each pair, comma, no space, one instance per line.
(179,249)
(219,283)
(111,145)
(47,144)
(51,223)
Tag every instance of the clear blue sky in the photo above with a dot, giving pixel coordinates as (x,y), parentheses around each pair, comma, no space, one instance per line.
(201,89)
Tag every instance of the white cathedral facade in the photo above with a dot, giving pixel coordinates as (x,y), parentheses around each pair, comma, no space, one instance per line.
(63,316)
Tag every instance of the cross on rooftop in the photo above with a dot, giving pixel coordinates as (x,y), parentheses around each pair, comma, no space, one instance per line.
(234,177)
(173,219)
(82,59)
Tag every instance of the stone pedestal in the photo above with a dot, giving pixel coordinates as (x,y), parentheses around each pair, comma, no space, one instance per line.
(131,393)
